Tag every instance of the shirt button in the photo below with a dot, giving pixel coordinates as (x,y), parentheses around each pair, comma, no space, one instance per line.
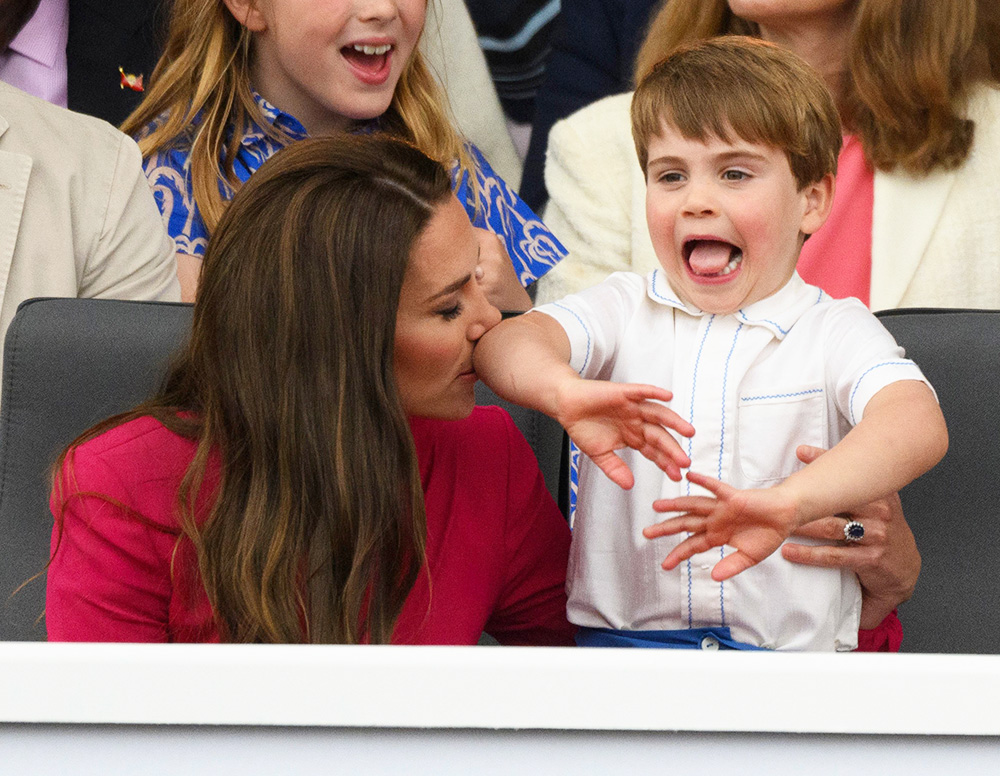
(710,643)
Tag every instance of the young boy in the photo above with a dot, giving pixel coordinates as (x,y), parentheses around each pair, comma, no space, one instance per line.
(739,142)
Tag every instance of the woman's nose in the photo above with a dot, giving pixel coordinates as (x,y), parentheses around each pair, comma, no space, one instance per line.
(486,316)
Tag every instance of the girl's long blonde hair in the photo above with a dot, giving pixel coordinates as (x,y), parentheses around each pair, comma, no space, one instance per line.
(911,66)
(200,97)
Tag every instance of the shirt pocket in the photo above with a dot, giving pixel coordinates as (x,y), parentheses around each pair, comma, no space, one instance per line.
(772,424)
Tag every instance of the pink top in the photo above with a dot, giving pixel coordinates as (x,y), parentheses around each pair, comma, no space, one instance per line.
(35,61)
(838,257)
(497,545)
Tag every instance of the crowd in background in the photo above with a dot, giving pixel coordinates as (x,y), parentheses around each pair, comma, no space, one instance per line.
(530,135)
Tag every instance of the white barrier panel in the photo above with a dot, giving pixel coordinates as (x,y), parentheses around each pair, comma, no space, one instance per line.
(286,709)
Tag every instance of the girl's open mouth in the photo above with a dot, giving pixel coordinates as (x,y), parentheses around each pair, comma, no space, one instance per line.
(370,62)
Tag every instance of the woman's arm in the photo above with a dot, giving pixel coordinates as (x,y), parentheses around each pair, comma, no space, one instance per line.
(109,577)
(531,609)
(188,273)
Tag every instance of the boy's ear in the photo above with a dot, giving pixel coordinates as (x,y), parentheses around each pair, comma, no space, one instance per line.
(247,13)
(819,202)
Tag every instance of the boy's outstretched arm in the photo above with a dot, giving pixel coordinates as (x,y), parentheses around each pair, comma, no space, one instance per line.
(901,436)
(526,360)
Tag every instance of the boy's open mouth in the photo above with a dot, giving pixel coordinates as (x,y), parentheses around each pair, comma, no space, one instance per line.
(711,258)
(370,59)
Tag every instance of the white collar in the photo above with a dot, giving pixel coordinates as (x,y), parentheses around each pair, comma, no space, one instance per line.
(777,312)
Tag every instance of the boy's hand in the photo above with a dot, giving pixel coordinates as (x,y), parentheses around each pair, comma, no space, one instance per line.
(602,417)
(755,522)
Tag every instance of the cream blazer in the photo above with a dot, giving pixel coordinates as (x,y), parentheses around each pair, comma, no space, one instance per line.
(935,240)
(77,218)
(453,54)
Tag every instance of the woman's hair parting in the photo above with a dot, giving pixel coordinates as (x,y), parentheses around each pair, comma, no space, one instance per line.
(200,96)
(738,86)
(315,530)
(911,66)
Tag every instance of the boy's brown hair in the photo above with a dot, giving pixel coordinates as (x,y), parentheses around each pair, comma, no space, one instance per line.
(743,87)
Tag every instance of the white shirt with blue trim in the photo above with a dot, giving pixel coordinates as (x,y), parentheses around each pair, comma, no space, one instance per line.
(795,368)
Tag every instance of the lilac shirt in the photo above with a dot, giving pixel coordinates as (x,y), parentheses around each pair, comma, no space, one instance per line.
(35,61)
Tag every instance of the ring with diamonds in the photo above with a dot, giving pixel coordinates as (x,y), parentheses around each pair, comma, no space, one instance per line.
(854,531)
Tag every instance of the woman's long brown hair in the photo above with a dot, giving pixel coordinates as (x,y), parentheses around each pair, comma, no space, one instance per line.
(316,531)
(911,67)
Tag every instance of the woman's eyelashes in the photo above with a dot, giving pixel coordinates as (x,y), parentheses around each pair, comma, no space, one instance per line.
(452,312)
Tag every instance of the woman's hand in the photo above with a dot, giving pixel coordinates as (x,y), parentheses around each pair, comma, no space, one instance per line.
(754,522)
(602,417)
(497,276)
(886,560)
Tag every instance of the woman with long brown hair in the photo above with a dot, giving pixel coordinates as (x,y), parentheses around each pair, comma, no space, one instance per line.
(315,469)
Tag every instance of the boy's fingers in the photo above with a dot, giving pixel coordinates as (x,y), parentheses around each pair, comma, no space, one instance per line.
(691,524)
(698,505)
(674,525)
(690,546)
(661,438)
(732,565)
(712,485)
(807,453)
(615,469)
(652,412)
(639,391)
(662,460)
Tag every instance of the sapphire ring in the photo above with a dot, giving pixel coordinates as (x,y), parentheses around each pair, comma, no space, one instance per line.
(854,531)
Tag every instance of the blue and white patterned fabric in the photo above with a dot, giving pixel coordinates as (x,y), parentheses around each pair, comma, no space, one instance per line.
(532,248)
(795,368)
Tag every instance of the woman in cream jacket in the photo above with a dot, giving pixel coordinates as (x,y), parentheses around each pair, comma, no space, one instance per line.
(76,216)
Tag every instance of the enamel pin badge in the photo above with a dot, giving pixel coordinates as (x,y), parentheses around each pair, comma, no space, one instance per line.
(129,81)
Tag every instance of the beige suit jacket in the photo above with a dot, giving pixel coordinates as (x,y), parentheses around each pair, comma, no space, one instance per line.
(77,218)
(935,240)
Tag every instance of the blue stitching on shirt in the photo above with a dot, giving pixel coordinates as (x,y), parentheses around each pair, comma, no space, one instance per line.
(657,294)
(850,402)
(722,590)
(722,447)
(694,383)
(819,298)
(745,319)
(725,379)
(585,329)
(781,395)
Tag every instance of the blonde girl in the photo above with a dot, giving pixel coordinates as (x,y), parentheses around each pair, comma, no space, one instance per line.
(240,79)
